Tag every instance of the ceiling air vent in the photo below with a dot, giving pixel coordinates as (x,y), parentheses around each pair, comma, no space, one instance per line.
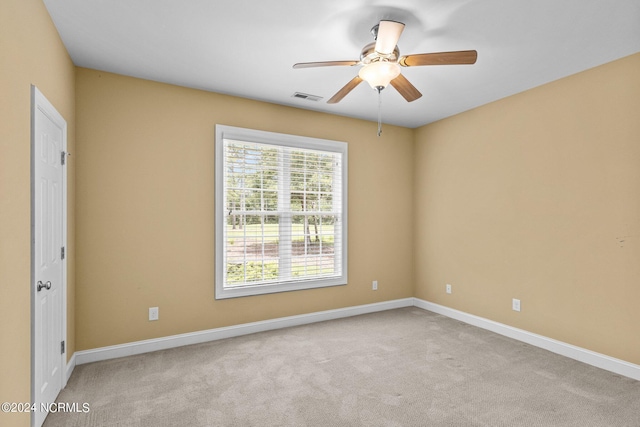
(306,96)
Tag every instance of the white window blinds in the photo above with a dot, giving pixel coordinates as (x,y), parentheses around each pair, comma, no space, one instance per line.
(282,213)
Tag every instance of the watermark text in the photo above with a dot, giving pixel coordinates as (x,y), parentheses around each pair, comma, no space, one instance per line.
(74,407)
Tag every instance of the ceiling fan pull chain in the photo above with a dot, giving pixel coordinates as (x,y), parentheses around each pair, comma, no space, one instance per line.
(379,111)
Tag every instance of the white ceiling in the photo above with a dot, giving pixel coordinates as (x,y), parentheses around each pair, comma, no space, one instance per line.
(247,48)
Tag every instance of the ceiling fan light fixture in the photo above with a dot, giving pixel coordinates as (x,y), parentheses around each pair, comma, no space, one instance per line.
(387,35)
(378,74)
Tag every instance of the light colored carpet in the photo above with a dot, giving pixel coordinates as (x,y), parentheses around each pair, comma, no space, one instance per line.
(405,367)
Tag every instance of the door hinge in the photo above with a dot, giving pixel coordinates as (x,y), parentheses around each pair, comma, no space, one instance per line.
(61,347)
(62,252)
(62,157)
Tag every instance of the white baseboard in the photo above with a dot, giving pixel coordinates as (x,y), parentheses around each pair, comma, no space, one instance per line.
(598,360)
(71,365)
(589,357)
(139,347)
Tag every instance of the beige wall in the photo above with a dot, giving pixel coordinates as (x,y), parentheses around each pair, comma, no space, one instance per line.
(145,209)
(30,53)
(537,197)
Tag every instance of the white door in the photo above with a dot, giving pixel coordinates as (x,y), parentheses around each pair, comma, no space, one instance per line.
(48,244)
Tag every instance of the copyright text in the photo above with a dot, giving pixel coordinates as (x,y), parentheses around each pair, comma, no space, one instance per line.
(46,407)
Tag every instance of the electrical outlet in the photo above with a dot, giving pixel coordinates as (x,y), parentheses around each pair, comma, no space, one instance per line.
(154,313)
(374,285)
(448,288)
(515,304)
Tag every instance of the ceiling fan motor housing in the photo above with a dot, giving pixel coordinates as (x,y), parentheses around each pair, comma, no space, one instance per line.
(369,55)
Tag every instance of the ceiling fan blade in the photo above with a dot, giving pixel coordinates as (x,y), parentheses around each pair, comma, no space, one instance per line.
(388,35)
(440,58)
(323,64)
(345,90)
(405,88)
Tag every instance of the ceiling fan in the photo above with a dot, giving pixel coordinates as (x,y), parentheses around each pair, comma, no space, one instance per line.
(381,63)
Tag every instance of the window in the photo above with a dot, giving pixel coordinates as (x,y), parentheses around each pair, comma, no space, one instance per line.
(281,212)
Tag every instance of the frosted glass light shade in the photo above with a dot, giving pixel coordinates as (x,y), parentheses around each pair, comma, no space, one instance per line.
(380,73)
(388,35)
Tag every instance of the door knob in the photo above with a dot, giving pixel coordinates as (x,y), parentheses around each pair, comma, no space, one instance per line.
(44,285)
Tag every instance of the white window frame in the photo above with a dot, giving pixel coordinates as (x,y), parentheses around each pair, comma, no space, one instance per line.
(223,133)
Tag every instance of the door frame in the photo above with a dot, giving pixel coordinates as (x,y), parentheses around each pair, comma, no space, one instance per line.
(40,102)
